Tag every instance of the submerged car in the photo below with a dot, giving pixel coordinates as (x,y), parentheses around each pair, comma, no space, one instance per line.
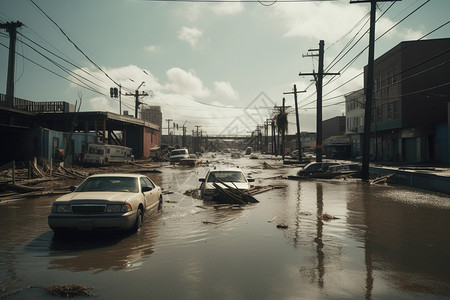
(178,154)
(328,170)
(315,168)
(106,202)
(233,177)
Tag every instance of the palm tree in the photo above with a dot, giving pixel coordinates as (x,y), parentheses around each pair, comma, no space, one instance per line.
(281,120)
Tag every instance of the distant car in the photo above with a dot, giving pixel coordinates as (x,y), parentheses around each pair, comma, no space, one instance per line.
(316,167)
(232,177)
(178,154)
(106,202)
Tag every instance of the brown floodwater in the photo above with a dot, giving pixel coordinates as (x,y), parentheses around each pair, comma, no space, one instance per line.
(387,243)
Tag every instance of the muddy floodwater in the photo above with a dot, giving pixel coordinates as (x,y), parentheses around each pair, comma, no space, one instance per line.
(387,243)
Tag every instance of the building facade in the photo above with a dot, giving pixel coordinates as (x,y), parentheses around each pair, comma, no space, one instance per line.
(409,120)
(354,127)
(153,115)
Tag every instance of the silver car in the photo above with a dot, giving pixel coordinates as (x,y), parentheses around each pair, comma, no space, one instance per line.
(106,202)
(232,177)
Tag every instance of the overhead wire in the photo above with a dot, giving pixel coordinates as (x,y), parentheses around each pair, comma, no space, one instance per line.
(69,72)
(74,44)
(354,58)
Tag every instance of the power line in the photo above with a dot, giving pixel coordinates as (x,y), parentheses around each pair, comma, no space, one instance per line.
(75,45)
(241,1)
(71,73)
(58,56)
(362,51)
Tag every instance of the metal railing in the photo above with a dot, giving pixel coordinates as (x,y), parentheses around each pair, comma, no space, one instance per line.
(38,107)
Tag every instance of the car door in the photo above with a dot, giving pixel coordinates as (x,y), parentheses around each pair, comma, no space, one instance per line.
(151,194)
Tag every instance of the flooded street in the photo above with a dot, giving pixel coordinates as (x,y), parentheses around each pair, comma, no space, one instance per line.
(387,243)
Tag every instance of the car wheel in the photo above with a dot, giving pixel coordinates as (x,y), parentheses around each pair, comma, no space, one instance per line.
(160,204)
(139,220)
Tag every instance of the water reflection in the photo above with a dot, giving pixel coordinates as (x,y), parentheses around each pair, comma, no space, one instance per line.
(318,239)
(101,252)
(408,242)
(389,243)
(367,250)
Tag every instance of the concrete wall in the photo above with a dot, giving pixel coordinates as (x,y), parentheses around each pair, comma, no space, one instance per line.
(416,179)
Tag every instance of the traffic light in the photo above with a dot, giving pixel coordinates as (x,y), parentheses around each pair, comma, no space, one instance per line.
(114,92)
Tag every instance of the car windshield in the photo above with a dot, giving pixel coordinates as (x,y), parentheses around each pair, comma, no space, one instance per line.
(109,184)
(178,152)
(226,176)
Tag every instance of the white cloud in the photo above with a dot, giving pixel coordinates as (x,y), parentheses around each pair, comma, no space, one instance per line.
(193,11)
(227,8)
(103,104)
(225,89)
(186,83)
(396,33)
(191,35)
(320,21)
(153,48)
(329,21)
(129,77)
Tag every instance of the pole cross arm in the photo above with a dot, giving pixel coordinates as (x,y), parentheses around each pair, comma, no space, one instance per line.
(297,92)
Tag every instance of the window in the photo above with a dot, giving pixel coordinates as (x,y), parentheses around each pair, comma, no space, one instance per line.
(390,111)
(379,115)
(390,78)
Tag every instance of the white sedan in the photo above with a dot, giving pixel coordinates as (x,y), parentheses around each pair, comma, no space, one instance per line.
(232,177)
(106,202)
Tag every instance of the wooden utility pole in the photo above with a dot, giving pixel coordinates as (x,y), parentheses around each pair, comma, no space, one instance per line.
(136,96)
(168,130)
(183,139)
(369,87)
(197,145)
(319,84)
(12,29)
(299,142)
(274,140)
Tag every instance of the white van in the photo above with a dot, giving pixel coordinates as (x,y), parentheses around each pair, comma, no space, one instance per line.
(104,154)
(178,154)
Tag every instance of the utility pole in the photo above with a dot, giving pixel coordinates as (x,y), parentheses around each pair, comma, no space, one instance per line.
(196,140)
(168,130)
(274,141)
(137,102)
(299,142)
(12,29)
(319,85)
(369,88)
(267,124)
(183,139)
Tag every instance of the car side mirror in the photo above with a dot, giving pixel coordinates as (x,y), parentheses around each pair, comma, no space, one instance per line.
(201,179)
(73,188)
(146,189)
(251,180)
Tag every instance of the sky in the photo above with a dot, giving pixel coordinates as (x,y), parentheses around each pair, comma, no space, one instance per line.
(224,66)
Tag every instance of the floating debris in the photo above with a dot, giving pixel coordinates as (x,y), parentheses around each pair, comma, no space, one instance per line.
(193,193)
(267,166)
(327,217)
(232,195)
(282,226)
(208,222)
(273,219)
(381,179)
(69,290)
(170,201)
